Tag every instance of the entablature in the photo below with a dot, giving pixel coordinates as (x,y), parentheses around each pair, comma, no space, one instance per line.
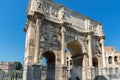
(60,14)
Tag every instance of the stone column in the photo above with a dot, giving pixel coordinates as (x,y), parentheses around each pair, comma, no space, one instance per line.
(26,70)
(103,57)
(63,46)
(84,42)
(37,38)
(90,50)
(103,52)
(87,24)
(63,66)
(37,66)
(90,68)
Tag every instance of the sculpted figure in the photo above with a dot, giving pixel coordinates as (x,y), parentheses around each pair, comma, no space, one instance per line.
(100,30)
(61,13)
(38,4)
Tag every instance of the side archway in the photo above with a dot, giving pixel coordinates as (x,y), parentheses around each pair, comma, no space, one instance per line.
(50,64)
(95,61)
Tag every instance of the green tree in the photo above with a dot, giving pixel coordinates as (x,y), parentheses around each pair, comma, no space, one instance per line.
(43,68)
(18,65)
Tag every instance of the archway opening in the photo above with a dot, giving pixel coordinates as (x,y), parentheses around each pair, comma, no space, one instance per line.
(48,68)
(110,60)
(75,49)
(115,58)
(95,62)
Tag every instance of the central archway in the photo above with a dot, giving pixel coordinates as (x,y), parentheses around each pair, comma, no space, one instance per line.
(75,49)
(50,65)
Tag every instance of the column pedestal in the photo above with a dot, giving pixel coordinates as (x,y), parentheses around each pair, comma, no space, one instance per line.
(84,68)
(104,72)
(83,73)
(27,73)
(63,72)
(36,69)
(90,74)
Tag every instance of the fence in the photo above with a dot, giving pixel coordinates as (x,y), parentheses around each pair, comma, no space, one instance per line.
(11,74)
(109,73)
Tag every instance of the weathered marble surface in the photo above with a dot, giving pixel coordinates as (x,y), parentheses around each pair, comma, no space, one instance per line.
(50,29)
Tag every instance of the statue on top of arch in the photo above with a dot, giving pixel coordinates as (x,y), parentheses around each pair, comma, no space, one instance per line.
(61,13)
(100,30)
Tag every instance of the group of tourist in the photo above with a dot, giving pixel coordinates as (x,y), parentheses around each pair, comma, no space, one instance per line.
(77,78)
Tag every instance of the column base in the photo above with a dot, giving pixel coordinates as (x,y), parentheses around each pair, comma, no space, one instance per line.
(36,68)
(84,73)
(27,73)
(90,73)
(32,72)
(104,72)
(63,72)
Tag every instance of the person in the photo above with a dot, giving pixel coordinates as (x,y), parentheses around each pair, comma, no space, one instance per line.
(77,78)
(69,79)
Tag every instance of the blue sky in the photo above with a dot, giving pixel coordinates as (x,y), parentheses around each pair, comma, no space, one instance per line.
(13,18)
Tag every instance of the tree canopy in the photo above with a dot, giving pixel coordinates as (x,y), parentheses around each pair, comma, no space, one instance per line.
(18,65)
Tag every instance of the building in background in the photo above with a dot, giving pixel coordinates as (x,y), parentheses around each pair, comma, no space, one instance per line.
(112,57)
(7,66)
(69,64)
(10,71)
(112,60)
(68,59)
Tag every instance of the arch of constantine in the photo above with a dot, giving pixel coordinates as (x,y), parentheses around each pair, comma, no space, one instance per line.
(50,30)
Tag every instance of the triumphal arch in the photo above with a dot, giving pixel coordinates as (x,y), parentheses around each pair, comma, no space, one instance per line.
(50,30)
